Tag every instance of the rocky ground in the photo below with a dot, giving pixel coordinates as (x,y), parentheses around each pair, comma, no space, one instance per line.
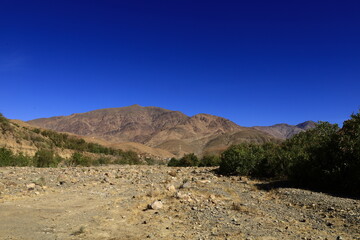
(158,202)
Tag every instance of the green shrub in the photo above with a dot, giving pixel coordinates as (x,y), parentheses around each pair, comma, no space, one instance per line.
(241,159)
(349,145)
(103,160)
(22,160)
(314,156)
(45,158)
(324,157)
(273,163)
(209,161)
(78,159)
(150,161)
(6,157)
(189,160)
(173,162)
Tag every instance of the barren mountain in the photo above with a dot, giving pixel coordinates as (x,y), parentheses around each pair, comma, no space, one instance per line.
(284,131)
(156,127)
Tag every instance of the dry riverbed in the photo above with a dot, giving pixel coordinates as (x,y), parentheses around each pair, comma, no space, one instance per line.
(158,202)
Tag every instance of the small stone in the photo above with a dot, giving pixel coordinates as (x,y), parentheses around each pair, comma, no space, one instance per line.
(186,185)
(156,205)
(339,238)
(212,197)
(171,188)
(62,179)
(30,186)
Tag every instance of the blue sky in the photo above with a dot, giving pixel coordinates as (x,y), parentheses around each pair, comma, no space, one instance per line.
(253,62)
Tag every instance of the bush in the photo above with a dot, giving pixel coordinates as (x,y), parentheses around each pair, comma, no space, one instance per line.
(6,157)
(324,157)
(173,162)
(78,159)
(273,163)
(241,159)
(209,161)
(45,158)
(314,156)
(188,160)
(150,161)
(131,158)
(103,160)
(22,160)
(349,145)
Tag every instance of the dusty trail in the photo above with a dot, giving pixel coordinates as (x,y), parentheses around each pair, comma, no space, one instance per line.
(112,203)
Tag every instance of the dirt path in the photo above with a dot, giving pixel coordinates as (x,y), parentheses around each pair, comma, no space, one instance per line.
(112,203)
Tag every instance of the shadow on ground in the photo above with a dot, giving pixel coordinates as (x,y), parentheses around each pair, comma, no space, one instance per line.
(278,184)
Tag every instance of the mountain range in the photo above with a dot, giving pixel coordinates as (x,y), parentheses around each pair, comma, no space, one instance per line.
(171,131)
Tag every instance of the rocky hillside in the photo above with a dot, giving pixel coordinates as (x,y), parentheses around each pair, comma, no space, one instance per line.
(284,131)
(20,137)
(157,127)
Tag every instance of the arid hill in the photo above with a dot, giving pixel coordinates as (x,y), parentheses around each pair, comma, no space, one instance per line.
(20,137)
(157,127)
(284,131)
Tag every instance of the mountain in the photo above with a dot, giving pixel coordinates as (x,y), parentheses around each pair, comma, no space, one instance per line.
(156,127)
(20,137)
(284,131)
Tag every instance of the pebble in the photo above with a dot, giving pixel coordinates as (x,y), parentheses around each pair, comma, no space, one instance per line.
(156,205)
(171,188)
(30,186)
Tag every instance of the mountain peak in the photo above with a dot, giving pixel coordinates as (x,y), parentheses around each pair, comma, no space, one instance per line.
(306,125)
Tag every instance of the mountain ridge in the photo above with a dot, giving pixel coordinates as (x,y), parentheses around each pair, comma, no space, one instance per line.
(284,130)
(161,128)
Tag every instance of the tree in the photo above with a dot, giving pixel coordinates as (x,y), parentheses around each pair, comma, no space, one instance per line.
(349,144)
(241,159)
(313,156)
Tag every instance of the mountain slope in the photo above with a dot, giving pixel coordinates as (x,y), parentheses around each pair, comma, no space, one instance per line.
(284,131)
(155,127)
(20,137)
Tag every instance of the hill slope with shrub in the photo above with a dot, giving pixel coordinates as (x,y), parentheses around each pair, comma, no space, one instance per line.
(23,145)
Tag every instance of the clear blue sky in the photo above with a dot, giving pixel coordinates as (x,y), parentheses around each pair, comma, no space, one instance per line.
(253,62)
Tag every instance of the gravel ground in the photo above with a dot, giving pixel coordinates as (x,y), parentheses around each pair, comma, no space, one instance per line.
(158,202)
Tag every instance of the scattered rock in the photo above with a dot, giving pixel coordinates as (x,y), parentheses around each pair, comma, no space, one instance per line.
(156,205)
(186,184)
(31,186)
(171,188)
(62,179)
